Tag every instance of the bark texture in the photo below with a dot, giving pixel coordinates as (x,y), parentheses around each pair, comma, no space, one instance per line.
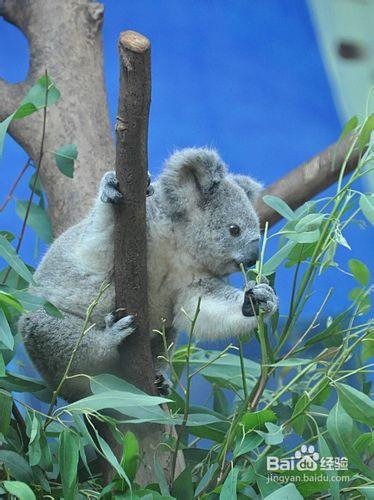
(130,244)
(64,38)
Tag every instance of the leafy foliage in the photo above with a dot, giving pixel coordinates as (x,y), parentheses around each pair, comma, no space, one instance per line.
(300,392)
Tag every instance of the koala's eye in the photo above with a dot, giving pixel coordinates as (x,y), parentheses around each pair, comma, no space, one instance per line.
(234,230)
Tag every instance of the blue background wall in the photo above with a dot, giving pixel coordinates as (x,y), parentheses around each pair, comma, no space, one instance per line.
(245,77)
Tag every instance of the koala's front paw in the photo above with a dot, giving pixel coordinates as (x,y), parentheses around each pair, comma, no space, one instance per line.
(163,384)
(118,329)
(258,297)
(109,192)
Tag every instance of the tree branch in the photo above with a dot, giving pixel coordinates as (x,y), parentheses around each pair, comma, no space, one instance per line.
(130,242)
(307,180)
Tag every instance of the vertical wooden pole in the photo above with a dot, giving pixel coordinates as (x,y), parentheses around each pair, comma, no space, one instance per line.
(130,244)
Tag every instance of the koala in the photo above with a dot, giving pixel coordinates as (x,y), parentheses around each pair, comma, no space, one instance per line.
(201,225)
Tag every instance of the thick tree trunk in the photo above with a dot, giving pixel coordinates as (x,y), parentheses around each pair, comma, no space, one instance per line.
(64,38)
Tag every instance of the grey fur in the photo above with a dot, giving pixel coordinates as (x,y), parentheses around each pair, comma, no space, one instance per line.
(190,250)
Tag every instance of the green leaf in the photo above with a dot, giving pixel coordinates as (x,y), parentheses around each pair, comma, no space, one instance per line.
(367,206)
(324,451)
(33,431)
(300,422)
(274,434)
(164,488)
(130,457)
(118,400)
(52,310)
(205,480)
(249,443)
(228,491)
(17,466)
(3,130)
(6,337)
(279,206)
(224,370)
(19,490)
(37,94)
(340,428)
(348,127)
(276,260)
(9,300)
(257,419)
(65,157)
(38,189)
(360,272)
(8,253)
(288,492)
(309,222)
(6,403)
(364,137)
(25,110)
(357,404)
(21,383)
(68,456)
(305,237)
(2,366)
(292,362)
(37,219)
(368,347)
(182,488)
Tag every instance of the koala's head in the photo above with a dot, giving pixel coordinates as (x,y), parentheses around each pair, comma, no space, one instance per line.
(212,211)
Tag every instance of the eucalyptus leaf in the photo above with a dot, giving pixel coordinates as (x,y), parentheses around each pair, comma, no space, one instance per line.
(247,444)
(279,206)
(19,490)
(3,130)
(6,337)
(348,127)
(273,436)
(288,492)
(324,451)
(276,260)
(365,134)
(205,480)
(17,465)
(228,491)
(8,253)
(357,404)
(6,403)
(68,456)
(114,400)
(43,88)
(367,206)
(360,272)
(65,157)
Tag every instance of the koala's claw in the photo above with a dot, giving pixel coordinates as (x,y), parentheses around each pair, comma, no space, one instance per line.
(163,384)
(119,329)
(259,296)
(109,192)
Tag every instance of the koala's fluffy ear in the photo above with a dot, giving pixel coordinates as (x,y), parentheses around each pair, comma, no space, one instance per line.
(251,187)
(201,167)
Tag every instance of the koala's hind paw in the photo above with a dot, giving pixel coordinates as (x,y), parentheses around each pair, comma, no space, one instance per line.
(109,192)
(163,384)
(118,329)
(258,297)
